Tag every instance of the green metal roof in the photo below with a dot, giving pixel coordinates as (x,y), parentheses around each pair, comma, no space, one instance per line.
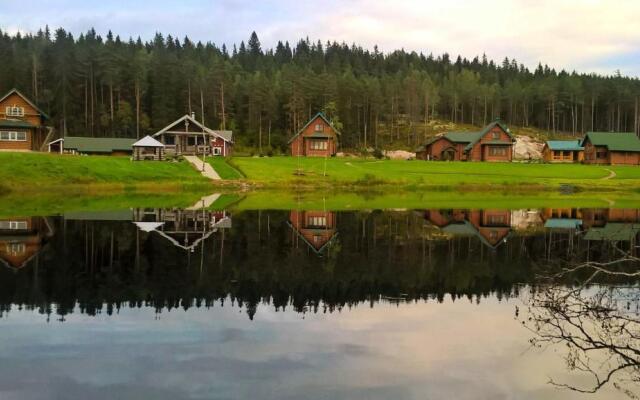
(98,145)
(15,123)
(614,141)
(563,223)
(613,231)
(564,145)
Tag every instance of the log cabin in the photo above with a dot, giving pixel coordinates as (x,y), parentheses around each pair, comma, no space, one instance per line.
(317,229)
(187,136)
(22,123)
(611,148)
(562,151)
(493,143)
(318,138)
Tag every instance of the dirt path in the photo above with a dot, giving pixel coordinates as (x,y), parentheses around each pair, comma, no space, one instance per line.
(205,202)
(208,171)
(611,175)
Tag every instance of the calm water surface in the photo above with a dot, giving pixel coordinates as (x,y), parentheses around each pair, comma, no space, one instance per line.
(407,304)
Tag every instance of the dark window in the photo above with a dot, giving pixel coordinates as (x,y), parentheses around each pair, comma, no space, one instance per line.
(191,141)
(170,140)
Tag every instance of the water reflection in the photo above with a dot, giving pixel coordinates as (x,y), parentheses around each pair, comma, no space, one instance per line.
(248,278)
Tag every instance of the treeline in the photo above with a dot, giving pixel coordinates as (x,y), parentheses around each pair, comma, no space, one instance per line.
(97,86)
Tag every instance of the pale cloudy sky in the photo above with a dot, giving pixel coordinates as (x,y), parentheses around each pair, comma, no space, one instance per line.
(586,35)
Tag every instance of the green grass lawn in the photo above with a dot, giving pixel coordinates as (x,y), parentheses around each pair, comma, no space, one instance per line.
(25,171)
(274,171)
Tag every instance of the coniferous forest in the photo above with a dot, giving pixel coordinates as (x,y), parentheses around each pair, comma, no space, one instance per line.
(110,86)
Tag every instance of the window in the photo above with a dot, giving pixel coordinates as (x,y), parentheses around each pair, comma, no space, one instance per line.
(602,154)
(13,225)
(497,151)
(496,219)
(319,145)
(16,249)
(566,154)
(170,140)
(495,135)
(15,111)
(217,151)
(319,128)
(191,141)
(317,221)
(12,136)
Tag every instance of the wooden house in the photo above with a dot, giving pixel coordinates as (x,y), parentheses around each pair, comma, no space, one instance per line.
(611,148)
(563,151)
(493,143)
(317,229)
(22,123)
(92,145)
(187,136)
(21,239)
(318,138)
(148,148)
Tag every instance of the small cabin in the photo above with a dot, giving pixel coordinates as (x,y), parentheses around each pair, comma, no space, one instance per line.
(318,138)
(612,148)
(22,123)
(148,148)
(562,151)
(187,136)
(92,146)
(493,143)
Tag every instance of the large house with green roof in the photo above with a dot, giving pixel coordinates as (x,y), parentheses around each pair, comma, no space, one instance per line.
(611,148)
(493,143)
(563,151)
(22,123)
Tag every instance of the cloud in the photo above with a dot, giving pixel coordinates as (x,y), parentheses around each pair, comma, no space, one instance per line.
(586,35)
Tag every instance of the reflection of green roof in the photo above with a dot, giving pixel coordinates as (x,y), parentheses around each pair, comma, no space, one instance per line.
(613,231)
(467,229)
(614,141)
(117,215)
(563,223)
(319,135)
(15,123)
(564,145)
(98,145)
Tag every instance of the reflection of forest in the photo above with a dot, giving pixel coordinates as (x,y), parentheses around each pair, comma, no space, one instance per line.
(306,259)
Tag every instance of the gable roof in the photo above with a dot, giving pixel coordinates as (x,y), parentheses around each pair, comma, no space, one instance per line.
(321,115)
(147,141)
(614,141)
(613,231)
(25,98)
(466,228)
(471,138)
(564,145)
(227,136)
(98,145)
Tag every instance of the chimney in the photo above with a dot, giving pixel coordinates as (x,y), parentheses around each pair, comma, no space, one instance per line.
(193,115)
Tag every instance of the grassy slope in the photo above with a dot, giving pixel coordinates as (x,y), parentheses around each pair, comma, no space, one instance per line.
(24,171)
(224,169)
(280,171)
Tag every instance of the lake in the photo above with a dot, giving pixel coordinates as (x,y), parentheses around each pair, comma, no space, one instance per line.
(170,303)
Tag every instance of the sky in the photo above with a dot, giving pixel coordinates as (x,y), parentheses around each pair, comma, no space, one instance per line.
(583,35)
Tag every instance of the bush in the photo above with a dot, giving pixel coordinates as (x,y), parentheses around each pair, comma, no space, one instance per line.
(377,153)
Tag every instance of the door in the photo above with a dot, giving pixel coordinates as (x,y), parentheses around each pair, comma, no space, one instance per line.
(448,154)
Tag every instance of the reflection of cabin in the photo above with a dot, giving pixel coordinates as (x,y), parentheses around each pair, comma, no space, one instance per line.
(562,151)
(92,145)
(318,138)
(611,224)
(21,239)
(316,228)
(492,227)
(187,136)
(148,148)
(21,123)
(611,148)
(183,228)
(493,143)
